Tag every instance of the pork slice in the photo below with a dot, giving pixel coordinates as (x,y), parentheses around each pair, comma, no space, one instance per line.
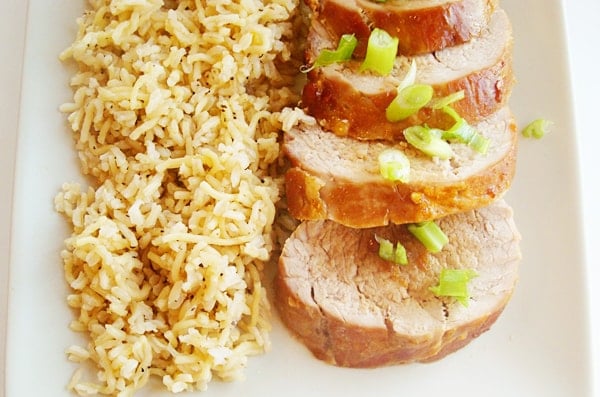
(352,103)
(421,25)
(337,178)
(351,308)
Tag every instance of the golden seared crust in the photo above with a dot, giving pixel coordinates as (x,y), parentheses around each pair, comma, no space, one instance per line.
(341,182)
(353,309)
(350,103)
(421,26)
(304,191)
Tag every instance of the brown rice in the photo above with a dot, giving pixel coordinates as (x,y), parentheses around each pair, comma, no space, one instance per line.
(176,111)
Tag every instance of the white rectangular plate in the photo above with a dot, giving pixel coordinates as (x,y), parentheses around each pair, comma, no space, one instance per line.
(538,347)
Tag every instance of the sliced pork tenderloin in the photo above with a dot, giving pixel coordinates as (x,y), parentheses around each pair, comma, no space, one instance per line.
(338,178)
(353,309)
(352,103)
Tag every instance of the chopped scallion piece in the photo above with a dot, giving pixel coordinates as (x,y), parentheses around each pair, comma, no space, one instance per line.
(410,77)
(386,248)
(400,256)
(428,141)
(408,102)
(430,235)
(452,113)
(537,128)
(388,252)
(465,133)
(478,142)
(453,283)
(394,165)
(440,103)
(344,51)
(381,52)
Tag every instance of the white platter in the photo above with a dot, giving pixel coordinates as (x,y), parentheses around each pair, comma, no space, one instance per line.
(538,347)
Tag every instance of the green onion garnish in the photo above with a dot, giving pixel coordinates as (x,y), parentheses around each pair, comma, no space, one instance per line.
(400,256)
(410,77)
(453,283)
(388,252)
(465,133)
(428,141)
(386,248)
(537,128)
(381,52)
(408,102)
(344,51)
(430,235)
(394,165)
(452,113)
(440,103)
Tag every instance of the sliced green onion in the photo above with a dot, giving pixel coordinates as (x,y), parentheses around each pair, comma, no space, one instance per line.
(344,51)
(410,97)
(537,128)
(427,140)
(388,252)
(410,78)
(386,248)
(430,235)
(465,133)
(452,113)
(400,256)
(453,283)
(440,103)
(381,52)
(436,132)
(408,102)
(394,165)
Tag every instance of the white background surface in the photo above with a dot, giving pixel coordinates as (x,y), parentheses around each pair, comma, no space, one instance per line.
(583,35)
(12,38)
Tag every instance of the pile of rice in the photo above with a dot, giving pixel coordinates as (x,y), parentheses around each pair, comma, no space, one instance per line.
(176,115)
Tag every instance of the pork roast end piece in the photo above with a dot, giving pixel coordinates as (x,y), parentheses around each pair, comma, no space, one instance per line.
(353,309)
(348,102)
(421,26)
